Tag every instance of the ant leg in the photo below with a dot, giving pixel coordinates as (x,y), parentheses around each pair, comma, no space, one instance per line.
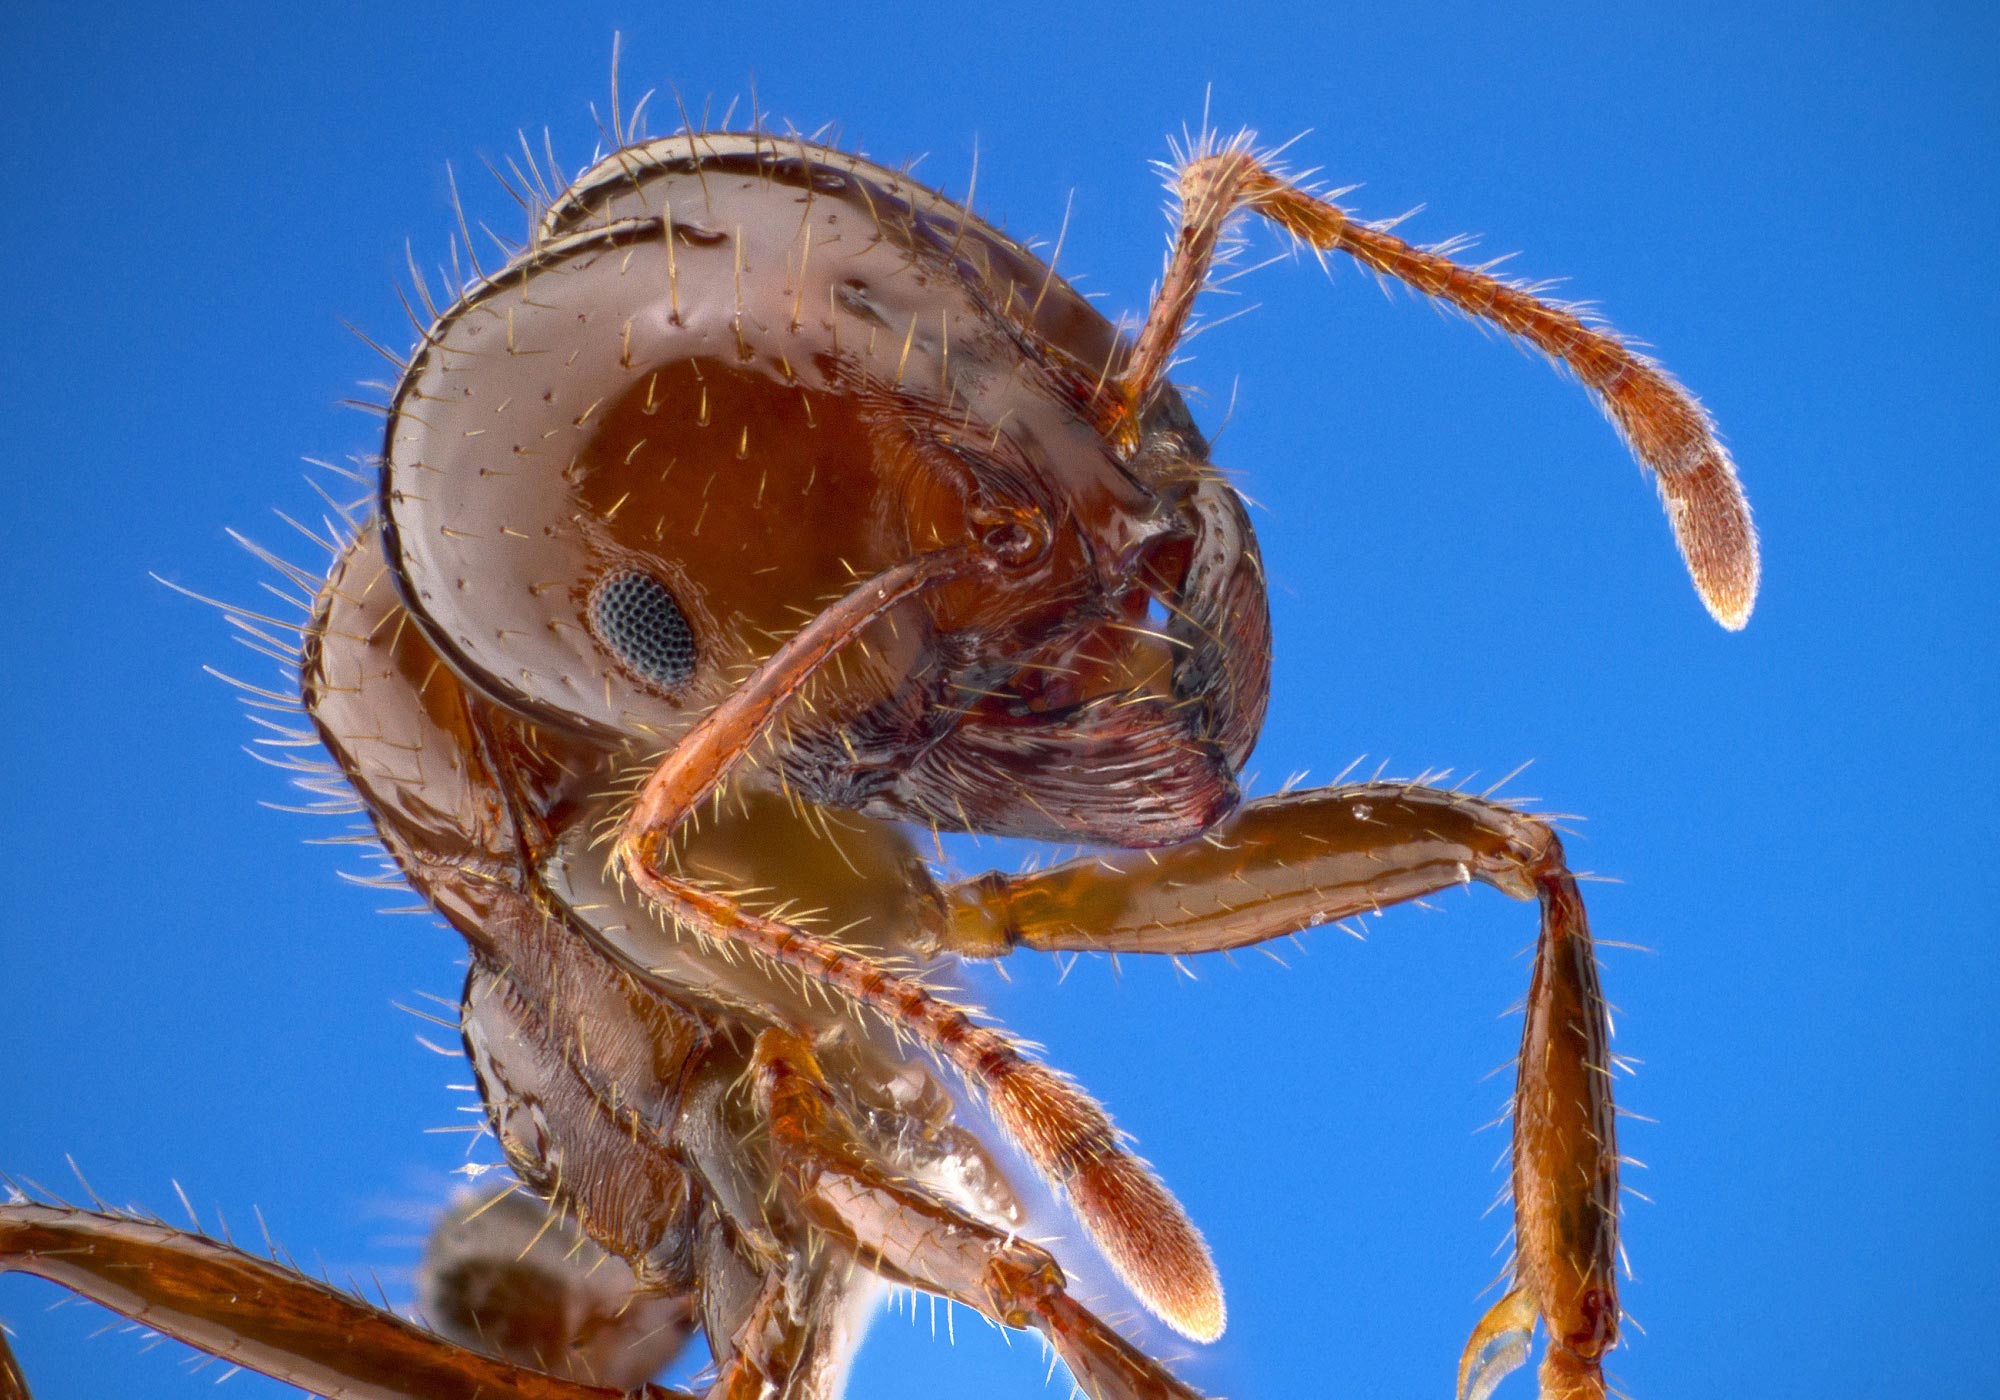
(793,1342)
(1666,429)
(1140,1227)
(258,1314)
(906,1234)
(1290,862)
(13,1385)
(764,1349)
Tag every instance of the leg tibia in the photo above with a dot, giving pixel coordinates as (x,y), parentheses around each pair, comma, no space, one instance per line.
(1565,1150)
(1565,1172)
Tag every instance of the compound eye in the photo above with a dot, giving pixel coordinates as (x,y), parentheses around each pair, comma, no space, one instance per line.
(637,617)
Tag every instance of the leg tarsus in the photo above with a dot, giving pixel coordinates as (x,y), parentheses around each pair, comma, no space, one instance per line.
(1567,1376)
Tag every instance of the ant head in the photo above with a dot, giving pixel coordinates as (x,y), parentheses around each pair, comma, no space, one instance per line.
(732,379)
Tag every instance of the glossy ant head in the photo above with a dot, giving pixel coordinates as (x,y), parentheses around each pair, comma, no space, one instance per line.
(714,395)
(734,377)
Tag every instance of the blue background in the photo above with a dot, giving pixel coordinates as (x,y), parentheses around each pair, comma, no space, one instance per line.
(1794,204)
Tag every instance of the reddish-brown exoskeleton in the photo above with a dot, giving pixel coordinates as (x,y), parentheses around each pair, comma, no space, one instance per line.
(766,506)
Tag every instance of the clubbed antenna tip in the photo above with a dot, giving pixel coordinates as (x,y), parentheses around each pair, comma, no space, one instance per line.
(1711,521)
(1667,430)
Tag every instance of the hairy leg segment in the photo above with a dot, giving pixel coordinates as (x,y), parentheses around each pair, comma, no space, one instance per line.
(257,1313)
(1286,863)
(905,1233)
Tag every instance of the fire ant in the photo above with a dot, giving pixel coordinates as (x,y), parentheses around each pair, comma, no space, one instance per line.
(764,508)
